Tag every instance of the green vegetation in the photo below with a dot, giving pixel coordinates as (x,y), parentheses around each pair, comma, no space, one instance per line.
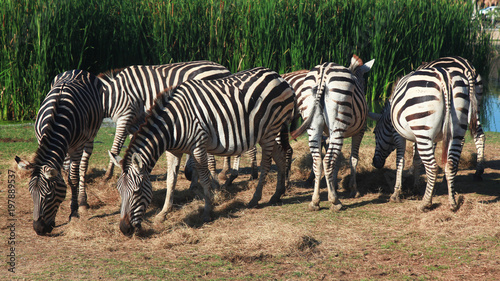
(40,39)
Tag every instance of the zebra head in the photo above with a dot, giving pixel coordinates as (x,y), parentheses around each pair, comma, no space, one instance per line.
(48,190)
(384,141)
(136,191)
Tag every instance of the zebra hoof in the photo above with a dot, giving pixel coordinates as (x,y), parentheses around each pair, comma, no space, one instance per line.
(313,207)
(455,206)
(253,203)
(355,194)
(74,214)
(206,218)
(274,200)
(424,208)
(222,177)
(335,207)
(160,218)
(83,206)
(395,199)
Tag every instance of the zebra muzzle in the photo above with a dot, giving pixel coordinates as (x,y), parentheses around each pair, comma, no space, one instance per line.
(41,228)
(126,227)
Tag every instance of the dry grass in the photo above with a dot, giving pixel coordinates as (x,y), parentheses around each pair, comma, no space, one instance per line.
(371,239)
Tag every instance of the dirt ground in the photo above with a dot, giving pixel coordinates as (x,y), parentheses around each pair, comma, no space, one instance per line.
(371,239)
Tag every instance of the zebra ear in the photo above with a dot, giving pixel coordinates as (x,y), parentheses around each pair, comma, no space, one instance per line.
(374,116)
(367,66)
(50,173)
(23,164)
(137,163)
(116,159)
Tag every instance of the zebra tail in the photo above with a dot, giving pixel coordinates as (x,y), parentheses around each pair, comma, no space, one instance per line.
(447,118)
(307,123)
(473,107)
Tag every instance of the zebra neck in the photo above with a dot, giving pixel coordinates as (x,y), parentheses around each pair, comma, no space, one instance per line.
(109,101)
(52,152)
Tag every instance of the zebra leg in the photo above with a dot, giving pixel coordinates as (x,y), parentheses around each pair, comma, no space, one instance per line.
(234,170)
(415,167)
(451,168)
(400,143)
(265,165)
(312,176)
(199,154)
(84,163)
(73,180)
(225,168)
(173,162)
(212,168)
(330,161)
(479,140)
(427,148)
(254,169)
(356,142)
(315,138)
(120,136)
(282,155)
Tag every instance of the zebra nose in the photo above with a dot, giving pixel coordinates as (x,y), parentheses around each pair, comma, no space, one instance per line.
(41,228)
(126,227)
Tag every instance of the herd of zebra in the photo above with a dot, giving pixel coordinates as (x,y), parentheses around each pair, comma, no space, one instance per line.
(201,109)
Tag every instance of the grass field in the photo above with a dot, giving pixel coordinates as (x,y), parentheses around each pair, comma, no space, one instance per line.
(371,239)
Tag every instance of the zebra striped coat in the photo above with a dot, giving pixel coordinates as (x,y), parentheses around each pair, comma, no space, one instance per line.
(130,92)
(227,116)
(331,98)
(427,106)
(66,124)
(462,66)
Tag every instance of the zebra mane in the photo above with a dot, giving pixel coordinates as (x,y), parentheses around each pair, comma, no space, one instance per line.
(40,153)
(158,102)
(110,74)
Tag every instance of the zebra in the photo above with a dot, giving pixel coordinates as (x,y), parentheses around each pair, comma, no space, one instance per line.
(66,124)
(463,66)
(428,105)
(131,91)
(226,116)
(334,96)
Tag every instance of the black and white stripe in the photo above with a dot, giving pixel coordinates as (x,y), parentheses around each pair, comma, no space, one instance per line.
(427,106)
(227,116)
(130,92)
(66,124)
(462,66)
(332,96)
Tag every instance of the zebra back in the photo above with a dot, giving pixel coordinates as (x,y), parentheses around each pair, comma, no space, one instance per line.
(69,116)
(234,113)
(138,85)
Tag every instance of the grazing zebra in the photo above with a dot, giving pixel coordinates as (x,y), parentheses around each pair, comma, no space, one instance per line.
(66,124)
(463,66)
(131,91)
(427,106)
(334,96)
(227,116)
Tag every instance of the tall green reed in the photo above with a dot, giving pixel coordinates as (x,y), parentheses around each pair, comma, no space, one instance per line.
(42,38)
